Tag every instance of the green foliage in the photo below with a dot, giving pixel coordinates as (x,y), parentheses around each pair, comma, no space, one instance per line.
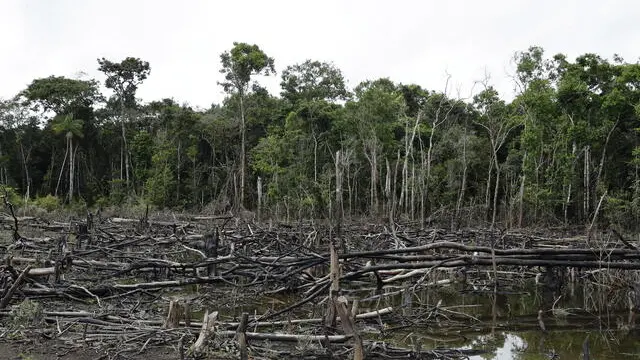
(125,77)
(161,184)
(11,195)
(48,202)
(620,212)
(569,135)
(141,154)
(66,124)
(62,95)
(27,314)
(118,192)
(313,80)
(241,63)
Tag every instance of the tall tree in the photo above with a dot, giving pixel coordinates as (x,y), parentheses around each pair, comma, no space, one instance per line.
(373,117)
(313,80)
(62,95)
(238,66)
(495,119)
(16,118)
(309,87)
(67,98)
(546,151)
(70,127)
(124,78)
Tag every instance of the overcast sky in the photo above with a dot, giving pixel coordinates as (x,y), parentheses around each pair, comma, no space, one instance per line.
(407,41)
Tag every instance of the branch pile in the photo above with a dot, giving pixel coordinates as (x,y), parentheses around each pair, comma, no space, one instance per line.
(116,277)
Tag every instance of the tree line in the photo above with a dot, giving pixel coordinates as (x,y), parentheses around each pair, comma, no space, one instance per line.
(564,150)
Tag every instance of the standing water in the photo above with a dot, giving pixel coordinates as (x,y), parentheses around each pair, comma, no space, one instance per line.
(511,326)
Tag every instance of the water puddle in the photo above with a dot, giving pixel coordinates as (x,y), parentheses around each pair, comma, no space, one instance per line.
(509,326)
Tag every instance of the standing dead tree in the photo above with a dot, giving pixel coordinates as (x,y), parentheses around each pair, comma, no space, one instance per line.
(495,119)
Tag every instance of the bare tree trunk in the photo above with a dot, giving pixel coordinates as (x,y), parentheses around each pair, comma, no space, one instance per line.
(495,192)
(586,183)
(574,149)
(437,121)
(405,167)
(76,173)
(413,191)
(70,144)
(395,205)
(374,185)
(315,157)
(3,170)
(340,210)
(521,194)
(349,189)
(355,192)
(243,140)
(25,162)
(371,153)
(66,153)
(566,205)
(488,189)
(636,190)
(235,188)
(211,176)
(125,147)
(604,152)
(429,152)
(387,189)
(122,162)
(259,185)
(463,185)
(126,156)
(510,183)
(423,185)
(178,173)
(195,182)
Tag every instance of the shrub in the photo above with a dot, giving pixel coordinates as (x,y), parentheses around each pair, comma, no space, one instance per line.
(13,196)
(27,314)
(49,202)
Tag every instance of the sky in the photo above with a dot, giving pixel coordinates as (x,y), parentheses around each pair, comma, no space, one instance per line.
(408,41)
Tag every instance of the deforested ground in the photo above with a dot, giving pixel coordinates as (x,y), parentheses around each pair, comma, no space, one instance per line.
(124,288)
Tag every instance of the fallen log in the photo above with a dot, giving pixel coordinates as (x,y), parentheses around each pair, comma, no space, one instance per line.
(483,249)
(467,260)
(17,283)
(42,271)
(72,315)
(103,290)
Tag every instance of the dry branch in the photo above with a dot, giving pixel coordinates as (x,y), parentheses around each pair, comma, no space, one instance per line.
(127,266)
(6,298)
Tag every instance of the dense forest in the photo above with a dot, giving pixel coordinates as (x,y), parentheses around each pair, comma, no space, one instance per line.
(564,149)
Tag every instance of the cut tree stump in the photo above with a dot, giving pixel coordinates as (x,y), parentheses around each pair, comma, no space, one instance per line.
(207,331)
(176,312)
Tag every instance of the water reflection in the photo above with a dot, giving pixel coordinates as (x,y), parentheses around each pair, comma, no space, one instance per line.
(556,345)
(507,325)
(513,345)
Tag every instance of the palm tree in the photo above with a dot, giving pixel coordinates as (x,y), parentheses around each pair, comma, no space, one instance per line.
(70,127)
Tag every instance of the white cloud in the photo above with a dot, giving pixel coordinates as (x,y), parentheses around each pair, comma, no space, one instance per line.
(408,41)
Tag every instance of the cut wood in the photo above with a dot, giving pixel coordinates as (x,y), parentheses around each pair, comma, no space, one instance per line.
(206,332)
